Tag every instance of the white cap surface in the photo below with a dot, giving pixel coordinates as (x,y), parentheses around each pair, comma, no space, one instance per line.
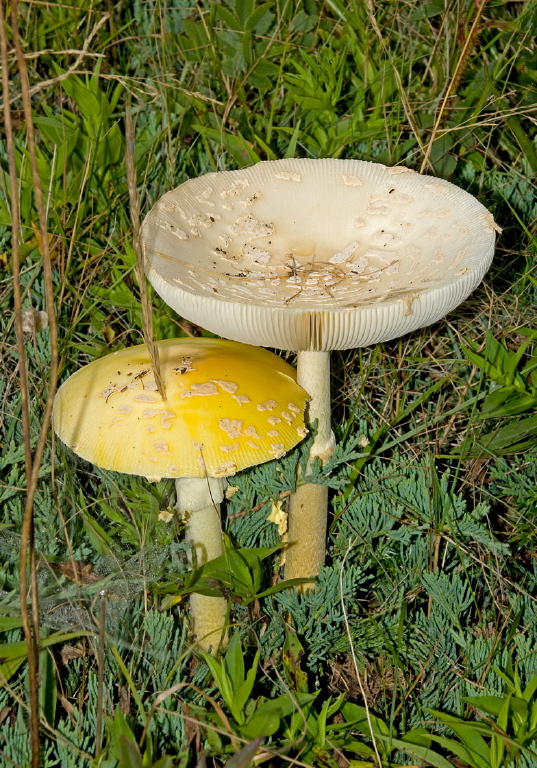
(229,406)
(316,254)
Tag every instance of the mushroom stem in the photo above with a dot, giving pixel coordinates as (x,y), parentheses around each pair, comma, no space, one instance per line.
(198,500)
(308,508)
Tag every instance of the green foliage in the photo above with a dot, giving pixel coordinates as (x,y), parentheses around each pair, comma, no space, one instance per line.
(252,718)
(296,720)
(236,574)
(122,750)
(516,393)
(512,393)
(509,730)
(515,483)
(428,589)
(319,615)
(386,741)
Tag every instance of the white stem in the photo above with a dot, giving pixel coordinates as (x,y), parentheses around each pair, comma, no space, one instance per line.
(313,374)
(308,508)
(198,500)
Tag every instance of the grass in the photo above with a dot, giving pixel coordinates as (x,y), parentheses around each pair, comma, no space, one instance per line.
(426,609)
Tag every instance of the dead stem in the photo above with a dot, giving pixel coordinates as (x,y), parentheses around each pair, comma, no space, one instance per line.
(27,532)
(100,681)
(147,315)
(27,553)
(450,91)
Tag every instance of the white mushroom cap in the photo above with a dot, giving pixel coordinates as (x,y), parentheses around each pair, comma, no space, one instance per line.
(316,254)
(229,406)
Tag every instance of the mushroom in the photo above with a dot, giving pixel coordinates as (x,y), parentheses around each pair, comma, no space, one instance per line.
(313,256)
(229,406)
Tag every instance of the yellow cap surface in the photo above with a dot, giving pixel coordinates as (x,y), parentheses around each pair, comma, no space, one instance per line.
(229,406)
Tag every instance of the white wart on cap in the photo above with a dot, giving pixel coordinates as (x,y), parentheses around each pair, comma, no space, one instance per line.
(229,406)
(316,254)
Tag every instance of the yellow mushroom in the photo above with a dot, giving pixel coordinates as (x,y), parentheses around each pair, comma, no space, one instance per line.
(217,419)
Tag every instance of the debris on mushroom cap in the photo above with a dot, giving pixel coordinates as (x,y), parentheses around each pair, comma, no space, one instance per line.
(111,414)
(317,254)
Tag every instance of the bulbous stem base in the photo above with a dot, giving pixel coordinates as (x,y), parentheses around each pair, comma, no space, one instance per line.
(198,500)
(307,533)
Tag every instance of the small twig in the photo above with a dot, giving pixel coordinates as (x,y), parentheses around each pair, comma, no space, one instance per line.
(244,512)
(147,315)
(66,52)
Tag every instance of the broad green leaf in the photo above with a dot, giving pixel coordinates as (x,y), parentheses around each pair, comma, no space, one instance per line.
(233,662)
(221,678)
(510,677)
(90,105)
(282,585)
(165,762)
(287,703)
(291,658)
(48,690)
(12,655)
(128,753)
(100,539)
(257,554)
(357,715)
(319,723)
(244,757)
(291,147)
(351,745)
(533,718)
(515,437)
(262,723)
(241,572)
(266,718)
(484,365)
(474,743)
(262,143)
(228,18)
(243,693)
(241,150)
(507,401)
(259,14)
(460,751)
(10,622)
(336,705)
(119,732)
(494,705)
(530,689)
(416,751)
(244,9)
(497,749)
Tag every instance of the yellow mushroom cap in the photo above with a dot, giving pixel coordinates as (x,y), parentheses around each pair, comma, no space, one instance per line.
(229,406)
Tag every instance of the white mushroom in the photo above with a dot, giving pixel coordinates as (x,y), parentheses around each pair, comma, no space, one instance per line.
(353,253)
(212,425)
